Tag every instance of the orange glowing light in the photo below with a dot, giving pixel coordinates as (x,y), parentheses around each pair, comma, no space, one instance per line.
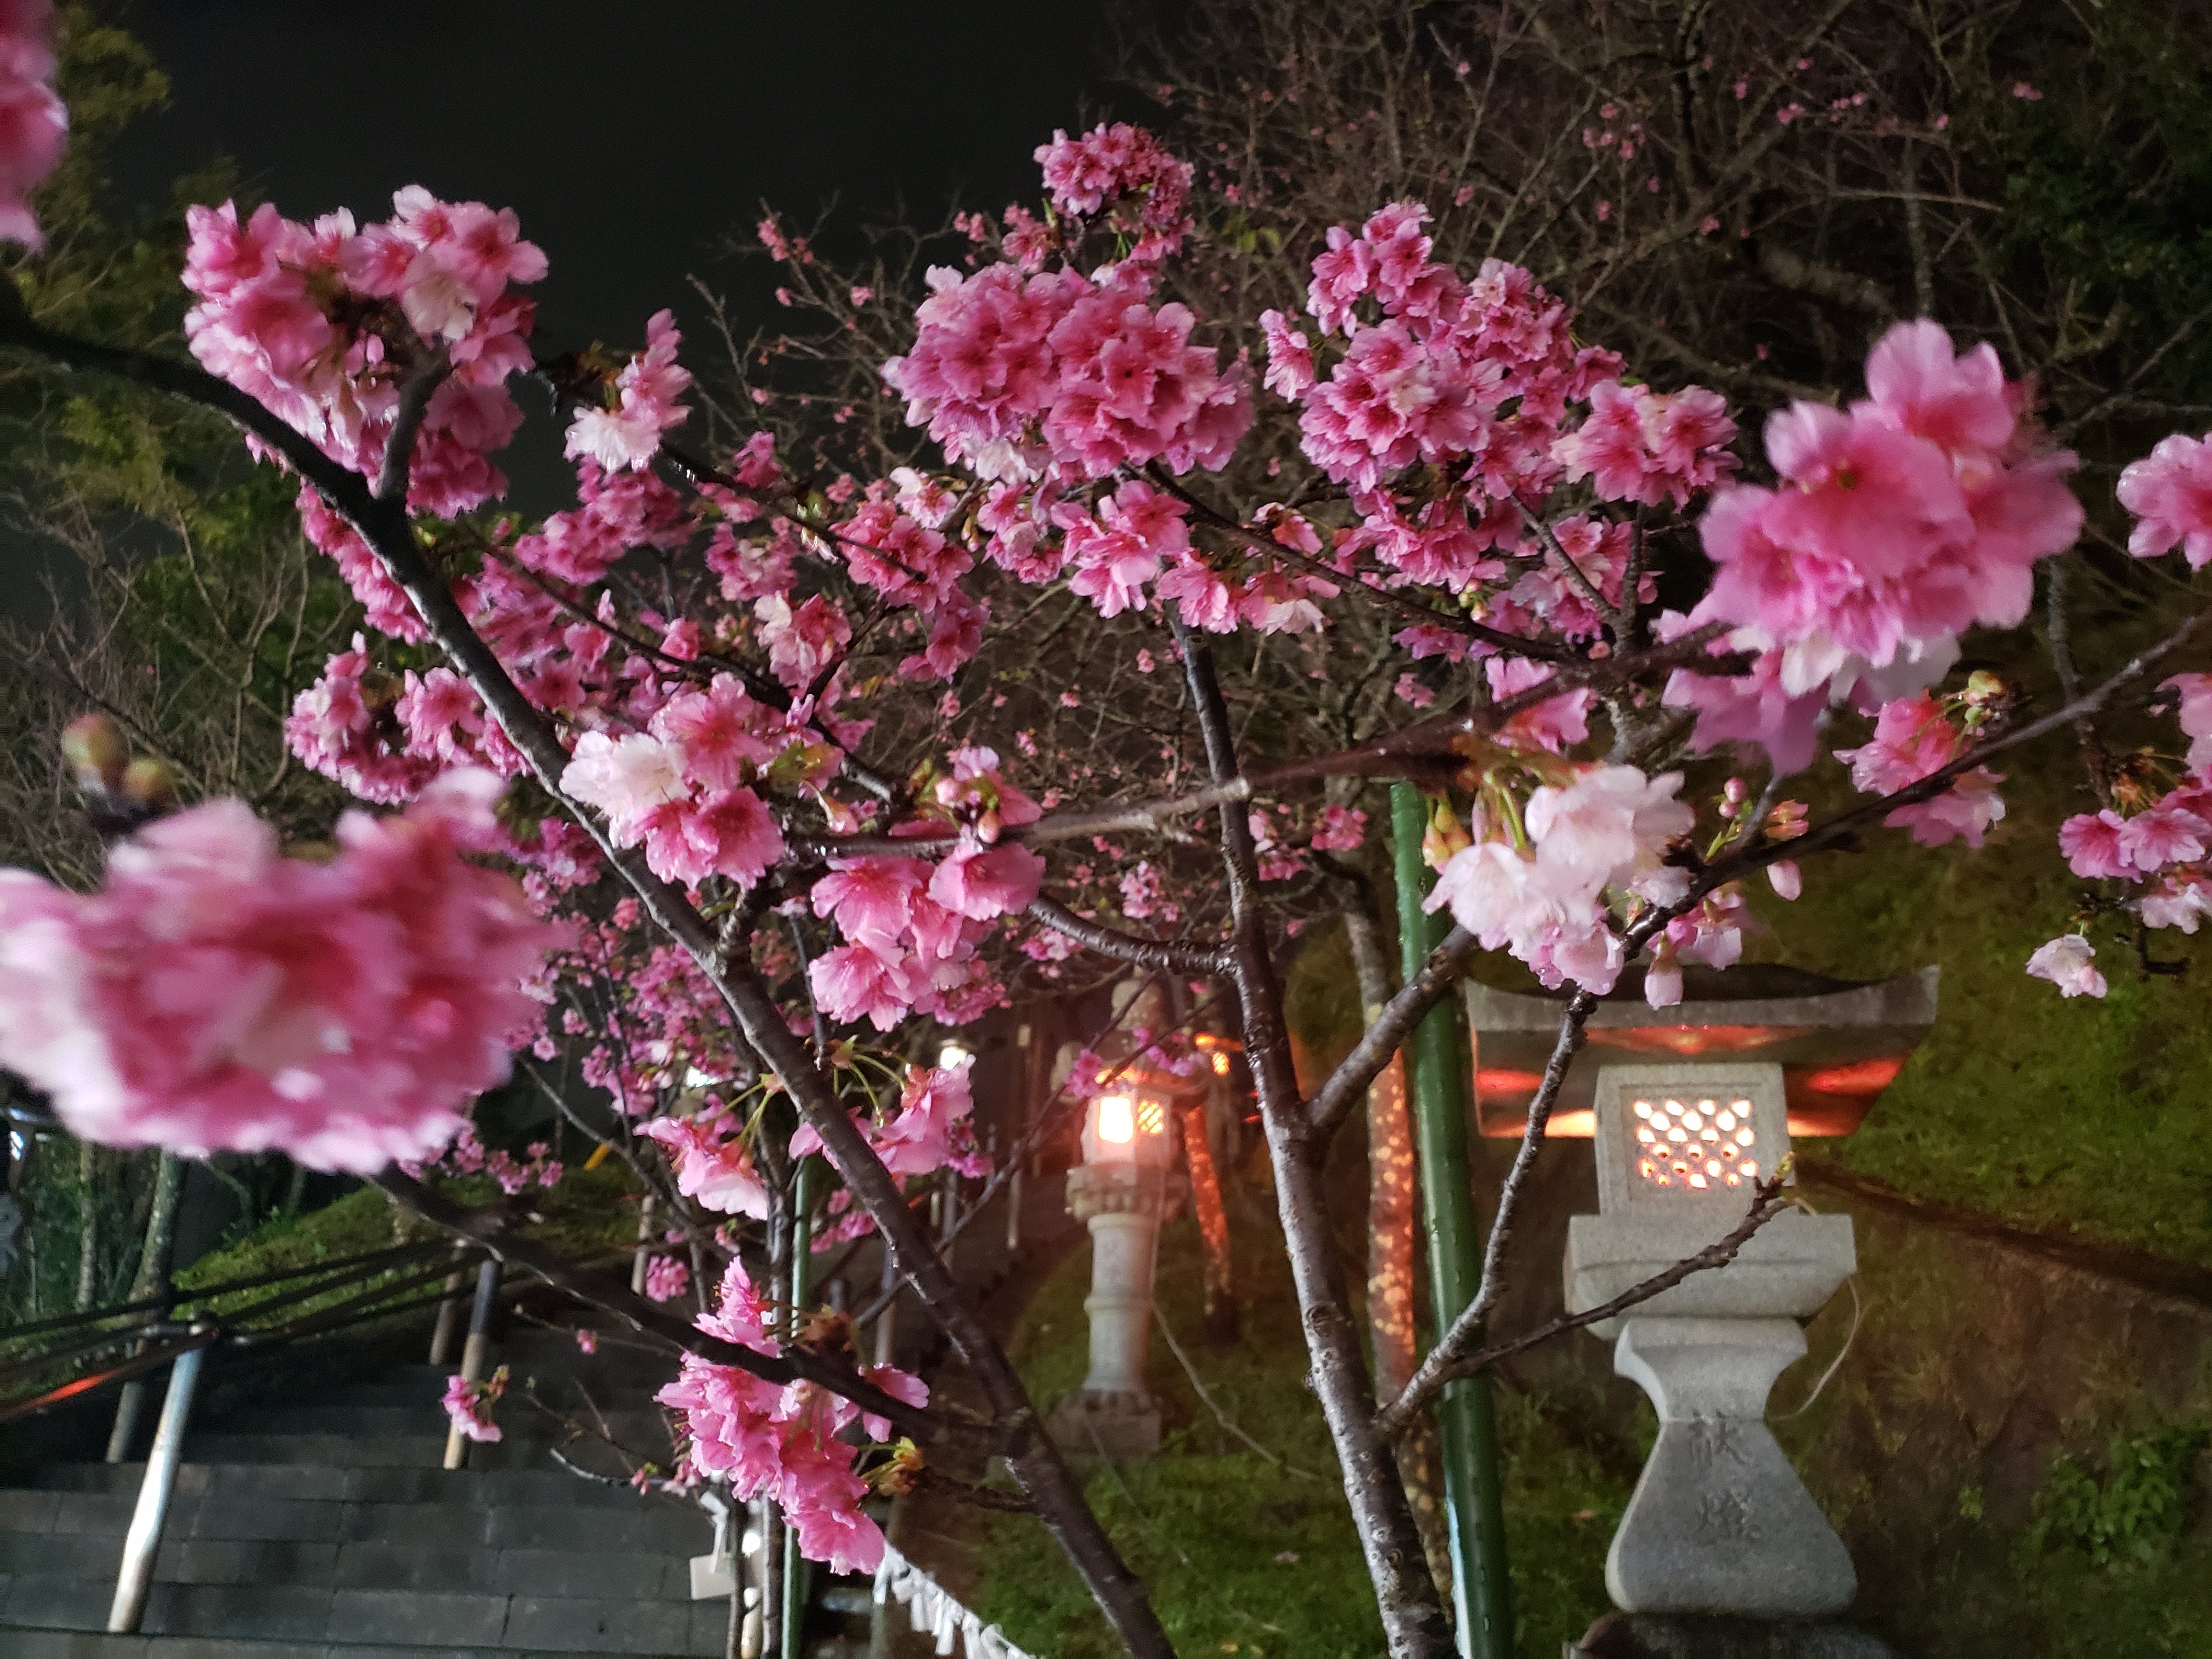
(1498,1080)
(1700,1145)
(1117,1120)
(1221,1064)
(1861,1077)
(1690,1039)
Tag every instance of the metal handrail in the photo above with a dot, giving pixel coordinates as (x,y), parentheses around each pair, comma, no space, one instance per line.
(232,1328)
(326,1277)
(198,1293)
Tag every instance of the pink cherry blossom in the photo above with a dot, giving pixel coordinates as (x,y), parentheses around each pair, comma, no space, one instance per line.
(2170,493)
(469,1404)
(628,778)
(1913,738)
(33,125)
(1901,521)
(2194,693)
(2091,842)
(983,882)
(782,1443)
(2169,833)
(712,1166)
(317,321)
(2070,962)
(1551,726)
(623,433)
(1341,830)
(1122,168)
(1638,444)
(666,1278)
(215,995)
(1290,356)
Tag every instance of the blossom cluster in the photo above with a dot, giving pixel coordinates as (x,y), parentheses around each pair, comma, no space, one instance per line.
(912,929)
(783,1441)
(33,123)
(1022,375)
(469,1404)
(1916,512)
(216,995)
(1536,887)
(2154,842)
(325,325)
(928,1131)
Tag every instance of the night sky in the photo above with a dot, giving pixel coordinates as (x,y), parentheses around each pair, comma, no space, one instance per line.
(630,138)
(633,140)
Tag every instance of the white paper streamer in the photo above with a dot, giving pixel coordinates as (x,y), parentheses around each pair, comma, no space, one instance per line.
(934,1611)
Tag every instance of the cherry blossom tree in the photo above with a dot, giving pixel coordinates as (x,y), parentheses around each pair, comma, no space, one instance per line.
(733,768)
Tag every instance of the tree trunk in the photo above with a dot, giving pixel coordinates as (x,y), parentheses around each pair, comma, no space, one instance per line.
(87,1235)
(1212,1228)
(1205,1192)
(1392,1229)
(152,1279)
(1414,1623)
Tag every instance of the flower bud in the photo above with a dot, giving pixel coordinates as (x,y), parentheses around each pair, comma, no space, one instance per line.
(1982,688)
(94,745)
(151,784)
(1445,836)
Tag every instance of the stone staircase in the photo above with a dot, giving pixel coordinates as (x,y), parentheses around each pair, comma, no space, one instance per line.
(331,1531)
(312,1518)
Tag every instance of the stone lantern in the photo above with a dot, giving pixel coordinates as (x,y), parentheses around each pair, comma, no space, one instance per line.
(1119,1191)
(1690,1107)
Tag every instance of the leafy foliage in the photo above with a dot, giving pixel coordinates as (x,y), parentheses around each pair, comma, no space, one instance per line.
(2135,1511)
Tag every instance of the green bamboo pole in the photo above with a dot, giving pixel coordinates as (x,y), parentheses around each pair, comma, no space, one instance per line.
(802,1288)
(1466,1418)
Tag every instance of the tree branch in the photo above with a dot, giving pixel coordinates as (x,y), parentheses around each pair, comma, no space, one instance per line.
(1156,954)
(1346,1086)
(414,403)
(1450,1359)
(491,1229)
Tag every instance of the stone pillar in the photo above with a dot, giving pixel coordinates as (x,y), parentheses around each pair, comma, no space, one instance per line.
(1112,1414)
(1719,1526)
(1719,1520)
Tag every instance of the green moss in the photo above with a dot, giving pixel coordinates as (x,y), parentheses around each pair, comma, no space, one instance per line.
(584,1216)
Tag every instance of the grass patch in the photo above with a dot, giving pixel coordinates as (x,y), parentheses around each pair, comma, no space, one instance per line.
(1206,1522)
(2069,1116)
(586,1215)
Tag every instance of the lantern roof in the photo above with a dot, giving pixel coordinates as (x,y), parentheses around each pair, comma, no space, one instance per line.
(1839,1043)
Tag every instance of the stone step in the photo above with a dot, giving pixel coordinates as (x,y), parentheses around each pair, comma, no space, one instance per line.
(309,1617)
(518,1448)
(651,1526)
(466,1487)
(655,1575)
(90,1645)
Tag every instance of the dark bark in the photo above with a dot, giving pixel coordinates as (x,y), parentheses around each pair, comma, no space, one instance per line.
(1393,1234)
(1413,1621)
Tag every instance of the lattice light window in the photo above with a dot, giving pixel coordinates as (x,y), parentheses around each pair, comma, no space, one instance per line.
(1703,1142)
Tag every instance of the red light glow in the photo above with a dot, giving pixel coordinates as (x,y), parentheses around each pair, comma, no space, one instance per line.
(1861,1077)
(1690,1039)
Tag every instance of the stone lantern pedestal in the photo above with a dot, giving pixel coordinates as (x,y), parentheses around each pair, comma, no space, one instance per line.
(1113,1414)
(1719,1524)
